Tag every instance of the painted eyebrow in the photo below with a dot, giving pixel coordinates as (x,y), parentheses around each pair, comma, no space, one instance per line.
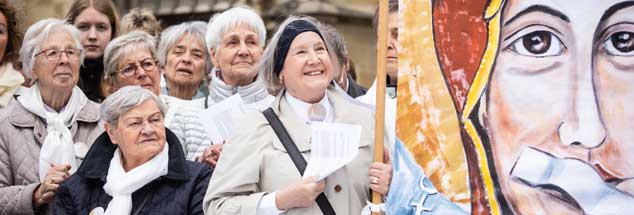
(610,11)
(539,8)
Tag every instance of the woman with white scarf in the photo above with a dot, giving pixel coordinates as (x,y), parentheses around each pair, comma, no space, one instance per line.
(46,133)
(235,39)
(136,167)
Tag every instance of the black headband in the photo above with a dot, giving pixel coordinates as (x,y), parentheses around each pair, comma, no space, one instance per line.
(284,43)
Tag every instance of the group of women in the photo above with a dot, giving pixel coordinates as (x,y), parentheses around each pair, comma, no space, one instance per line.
(144,150)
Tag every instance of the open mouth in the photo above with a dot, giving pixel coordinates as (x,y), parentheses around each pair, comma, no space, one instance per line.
(314,73)
(185,71)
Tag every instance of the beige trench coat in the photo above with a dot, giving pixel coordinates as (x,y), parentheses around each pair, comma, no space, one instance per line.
(254,162)
(21,136)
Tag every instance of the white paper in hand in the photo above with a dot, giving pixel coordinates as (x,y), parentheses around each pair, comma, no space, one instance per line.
(219,118)
(333,145)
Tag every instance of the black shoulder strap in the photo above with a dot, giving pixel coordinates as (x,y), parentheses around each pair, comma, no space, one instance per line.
(295,155)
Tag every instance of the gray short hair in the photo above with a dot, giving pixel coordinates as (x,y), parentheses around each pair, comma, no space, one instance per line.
(267,63)
(334,41)
(124,99)
(221,23)
(38,33)
(172,34)
(123,45)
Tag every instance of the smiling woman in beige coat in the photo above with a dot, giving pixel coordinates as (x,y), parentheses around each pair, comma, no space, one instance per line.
(255,174)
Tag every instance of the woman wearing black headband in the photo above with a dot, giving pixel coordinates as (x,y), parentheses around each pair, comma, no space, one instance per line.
(256,174)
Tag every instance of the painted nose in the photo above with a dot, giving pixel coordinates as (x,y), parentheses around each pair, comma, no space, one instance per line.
(583,125)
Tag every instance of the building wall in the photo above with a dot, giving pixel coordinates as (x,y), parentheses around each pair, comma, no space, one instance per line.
(34,10)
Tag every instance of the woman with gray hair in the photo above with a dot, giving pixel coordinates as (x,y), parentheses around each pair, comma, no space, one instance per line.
(136,147)
(131,59)
(47,132)
(261,170)
(235,39)
(185,59)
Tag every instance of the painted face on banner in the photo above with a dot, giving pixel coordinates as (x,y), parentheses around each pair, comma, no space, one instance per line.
(563,84)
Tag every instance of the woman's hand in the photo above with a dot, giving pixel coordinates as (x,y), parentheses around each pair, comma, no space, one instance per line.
(211,155)
(301,194)
(54,177)
(380,175)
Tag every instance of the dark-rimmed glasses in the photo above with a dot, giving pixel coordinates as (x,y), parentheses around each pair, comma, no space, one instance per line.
(147,64)
(53,55)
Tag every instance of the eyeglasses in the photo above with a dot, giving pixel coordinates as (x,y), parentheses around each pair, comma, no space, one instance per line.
(53,55)
(138,124)
(147,64)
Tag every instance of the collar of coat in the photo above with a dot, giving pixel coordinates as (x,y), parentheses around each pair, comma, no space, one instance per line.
(346,110)
(97,161)
(22,117)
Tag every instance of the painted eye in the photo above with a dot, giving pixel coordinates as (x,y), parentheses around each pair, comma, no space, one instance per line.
(538,44)
(620,44)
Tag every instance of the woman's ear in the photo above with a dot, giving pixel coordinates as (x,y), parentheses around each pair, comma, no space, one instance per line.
(33,77)
(212,55)
(110,130)
(281,78)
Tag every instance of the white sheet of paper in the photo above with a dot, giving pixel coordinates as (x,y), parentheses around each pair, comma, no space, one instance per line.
(333,145)
(219,118)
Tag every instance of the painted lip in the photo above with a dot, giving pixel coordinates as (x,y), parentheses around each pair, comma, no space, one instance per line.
(606,175)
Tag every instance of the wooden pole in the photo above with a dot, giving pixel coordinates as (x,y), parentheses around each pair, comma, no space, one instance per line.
(381,60)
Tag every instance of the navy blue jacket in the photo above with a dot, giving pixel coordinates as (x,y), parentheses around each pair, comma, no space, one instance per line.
(181,191)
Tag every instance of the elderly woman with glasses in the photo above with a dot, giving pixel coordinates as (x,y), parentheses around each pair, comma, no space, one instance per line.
(256,174)
(136,167)
(131,59)
(185,60)
(47,132)
(235,39)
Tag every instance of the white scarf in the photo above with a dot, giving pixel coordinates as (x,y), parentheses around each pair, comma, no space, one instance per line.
(58,146)
(251,93)
(121,184)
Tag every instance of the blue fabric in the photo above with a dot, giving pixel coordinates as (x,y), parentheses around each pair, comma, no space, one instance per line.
(421,197)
